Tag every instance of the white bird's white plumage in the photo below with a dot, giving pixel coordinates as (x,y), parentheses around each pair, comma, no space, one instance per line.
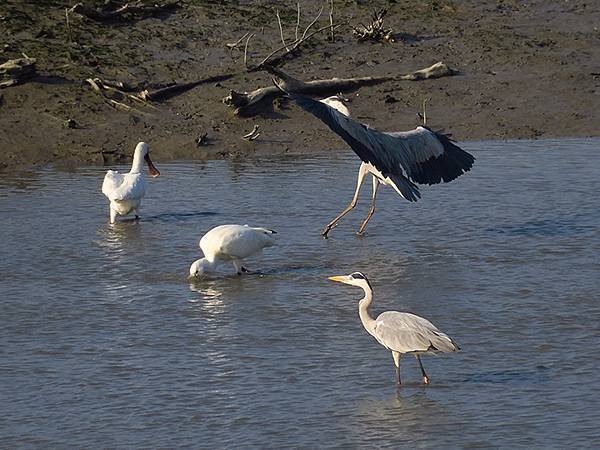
(231,243)
(399,332)
(126,190)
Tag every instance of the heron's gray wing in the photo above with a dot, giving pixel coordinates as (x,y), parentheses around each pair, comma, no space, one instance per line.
(405,332)
(421,155)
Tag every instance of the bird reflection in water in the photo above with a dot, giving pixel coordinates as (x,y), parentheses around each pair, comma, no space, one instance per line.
(412,415)
(118,238)
(210,297)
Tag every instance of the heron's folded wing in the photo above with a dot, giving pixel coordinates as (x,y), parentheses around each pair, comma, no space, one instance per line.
(422,155)
(404,332)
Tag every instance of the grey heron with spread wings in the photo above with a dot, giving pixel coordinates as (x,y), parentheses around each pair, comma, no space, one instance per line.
(397,159)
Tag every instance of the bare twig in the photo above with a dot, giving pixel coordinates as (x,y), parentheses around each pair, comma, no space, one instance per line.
(281,30)
(312,23)
(92,82)
(246,49)
(68,26)
(331,21)
(297,21)
(294,46)
(425,100)
(253,134)
(236,43)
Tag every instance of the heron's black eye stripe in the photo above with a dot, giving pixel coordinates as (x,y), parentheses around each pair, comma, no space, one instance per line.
(358,275)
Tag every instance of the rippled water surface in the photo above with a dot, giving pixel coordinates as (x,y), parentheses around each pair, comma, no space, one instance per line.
(105,343)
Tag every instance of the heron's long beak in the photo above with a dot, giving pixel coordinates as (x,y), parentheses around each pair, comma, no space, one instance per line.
(153,170)
(339,278)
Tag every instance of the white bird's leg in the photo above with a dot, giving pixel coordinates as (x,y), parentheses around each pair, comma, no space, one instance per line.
(238,266)
(362,172)
(425,377)
(112,216)
(372,208)
(396,357)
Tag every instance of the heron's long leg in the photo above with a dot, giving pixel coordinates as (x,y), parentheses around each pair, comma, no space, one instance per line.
(396,357)
(362,172)
(425,377)
(372,208)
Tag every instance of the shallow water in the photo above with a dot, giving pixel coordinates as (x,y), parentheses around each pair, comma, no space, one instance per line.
(106,343)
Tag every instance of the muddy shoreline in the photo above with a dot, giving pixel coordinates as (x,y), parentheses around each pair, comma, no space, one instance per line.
(527,70)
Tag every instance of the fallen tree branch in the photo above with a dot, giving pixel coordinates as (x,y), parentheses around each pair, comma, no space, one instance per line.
(255,133)
(176,89)
(126,12)
(16,71)
(111,95)
(248,104)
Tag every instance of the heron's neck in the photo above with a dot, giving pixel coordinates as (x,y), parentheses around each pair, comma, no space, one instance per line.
(138,162)
(363,310)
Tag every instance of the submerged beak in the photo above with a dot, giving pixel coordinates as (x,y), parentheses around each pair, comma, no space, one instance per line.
(153,170)
(339,278)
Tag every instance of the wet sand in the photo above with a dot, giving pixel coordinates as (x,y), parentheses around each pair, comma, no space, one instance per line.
(527,70)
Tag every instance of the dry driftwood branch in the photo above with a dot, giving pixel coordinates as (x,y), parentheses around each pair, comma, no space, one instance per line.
(126,12)
(251,103)
(111,95)
(16,71)
(176,89)
(375,31)
(255,133)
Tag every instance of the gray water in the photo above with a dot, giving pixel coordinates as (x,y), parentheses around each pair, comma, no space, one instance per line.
(105,343)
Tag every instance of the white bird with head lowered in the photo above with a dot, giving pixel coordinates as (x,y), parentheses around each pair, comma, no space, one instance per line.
(231,243)
(399,332)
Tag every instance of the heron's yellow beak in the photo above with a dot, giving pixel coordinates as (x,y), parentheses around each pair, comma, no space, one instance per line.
(339,278)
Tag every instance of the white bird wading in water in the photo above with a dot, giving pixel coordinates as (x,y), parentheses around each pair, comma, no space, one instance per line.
(231,243)
(397,159)
(397,331)
(125,191)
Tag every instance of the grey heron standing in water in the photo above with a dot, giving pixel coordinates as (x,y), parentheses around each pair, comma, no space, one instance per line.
(397,331)
(397,159)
